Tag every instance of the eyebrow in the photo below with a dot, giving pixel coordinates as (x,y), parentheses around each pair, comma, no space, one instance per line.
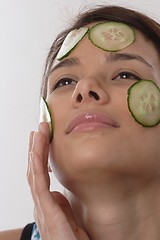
(68,62)
(113,57)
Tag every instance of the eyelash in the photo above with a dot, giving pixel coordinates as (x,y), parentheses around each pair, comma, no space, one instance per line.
(128,75)
(68,81)
(64,82)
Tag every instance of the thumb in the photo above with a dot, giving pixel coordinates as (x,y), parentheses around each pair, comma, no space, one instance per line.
(66,208)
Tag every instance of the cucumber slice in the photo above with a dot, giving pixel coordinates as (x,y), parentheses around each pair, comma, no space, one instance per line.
(144,102)
(45,115)
(71,40)
(111,36)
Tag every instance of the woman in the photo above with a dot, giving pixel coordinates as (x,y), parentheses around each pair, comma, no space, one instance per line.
(108,162)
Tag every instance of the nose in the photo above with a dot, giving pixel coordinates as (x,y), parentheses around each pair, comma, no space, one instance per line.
(89,90)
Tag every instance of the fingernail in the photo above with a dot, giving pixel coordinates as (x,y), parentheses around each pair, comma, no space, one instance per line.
(40,126)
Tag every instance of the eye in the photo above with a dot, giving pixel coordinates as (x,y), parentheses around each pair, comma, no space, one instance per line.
(126,75)
(64,82)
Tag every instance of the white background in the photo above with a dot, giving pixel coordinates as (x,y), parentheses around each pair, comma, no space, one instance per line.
(27,29)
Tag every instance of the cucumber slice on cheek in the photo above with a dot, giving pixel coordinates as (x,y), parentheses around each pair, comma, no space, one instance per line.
(45,115)
(111,36)
(144,102)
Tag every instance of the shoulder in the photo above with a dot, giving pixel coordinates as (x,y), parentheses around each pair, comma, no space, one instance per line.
(14,234)
(20,233)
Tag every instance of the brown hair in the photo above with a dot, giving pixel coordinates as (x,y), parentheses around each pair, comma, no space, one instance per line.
(149,27)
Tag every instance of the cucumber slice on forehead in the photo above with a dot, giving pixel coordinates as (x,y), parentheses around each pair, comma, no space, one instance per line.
(45,115)
(144,102)
(111,36)
(71,40)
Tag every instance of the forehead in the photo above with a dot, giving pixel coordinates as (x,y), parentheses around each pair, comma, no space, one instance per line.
(86,51)
(141,45)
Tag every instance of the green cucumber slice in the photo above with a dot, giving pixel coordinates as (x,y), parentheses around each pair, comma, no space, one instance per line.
(70,42)
(45,115)
(111,36)
(144,102)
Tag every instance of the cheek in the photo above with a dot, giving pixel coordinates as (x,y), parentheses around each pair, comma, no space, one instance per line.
(59,108)
(119,106)
(141,149)
(136,148)
(134,152)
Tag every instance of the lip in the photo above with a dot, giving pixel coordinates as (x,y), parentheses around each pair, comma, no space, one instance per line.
(90,121)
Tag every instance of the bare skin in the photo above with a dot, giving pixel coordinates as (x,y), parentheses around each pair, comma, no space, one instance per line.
(11,234)
(49,207)
(112,181)
(53,209)
(110,173)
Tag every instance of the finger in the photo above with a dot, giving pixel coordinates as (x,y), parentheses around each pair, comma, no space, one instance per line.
(45,206)
(48,212)
(66,208)
(64,205)
(36,143)
(37,219)
(44,129)
(29,150)
(30,141)
(40,188)
(33,185)
(39,144)
(37,147)
(40,178)
(37,211)
(51,209)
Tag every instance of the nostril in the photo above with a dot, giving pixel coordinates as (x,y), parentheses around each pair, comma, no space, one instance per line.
(94,94)
(91,94)
(79,98)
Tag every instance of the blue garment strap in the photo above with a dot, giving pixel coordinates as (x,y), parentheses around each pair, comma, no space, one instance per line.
(35,233)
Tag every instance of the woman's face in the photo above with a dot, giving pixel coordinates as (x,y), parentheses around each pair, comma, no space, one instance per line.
(94,132)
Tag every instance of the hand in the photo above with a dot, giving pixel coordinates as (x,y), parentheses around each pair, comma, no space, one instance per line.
(53,214)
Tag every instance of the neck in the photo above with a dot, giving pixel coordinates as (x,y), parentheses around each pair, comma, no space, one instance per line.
(122,210)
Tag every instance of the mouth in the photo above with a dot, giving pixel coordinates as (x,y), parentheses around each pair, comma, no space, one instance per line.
(90,122)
